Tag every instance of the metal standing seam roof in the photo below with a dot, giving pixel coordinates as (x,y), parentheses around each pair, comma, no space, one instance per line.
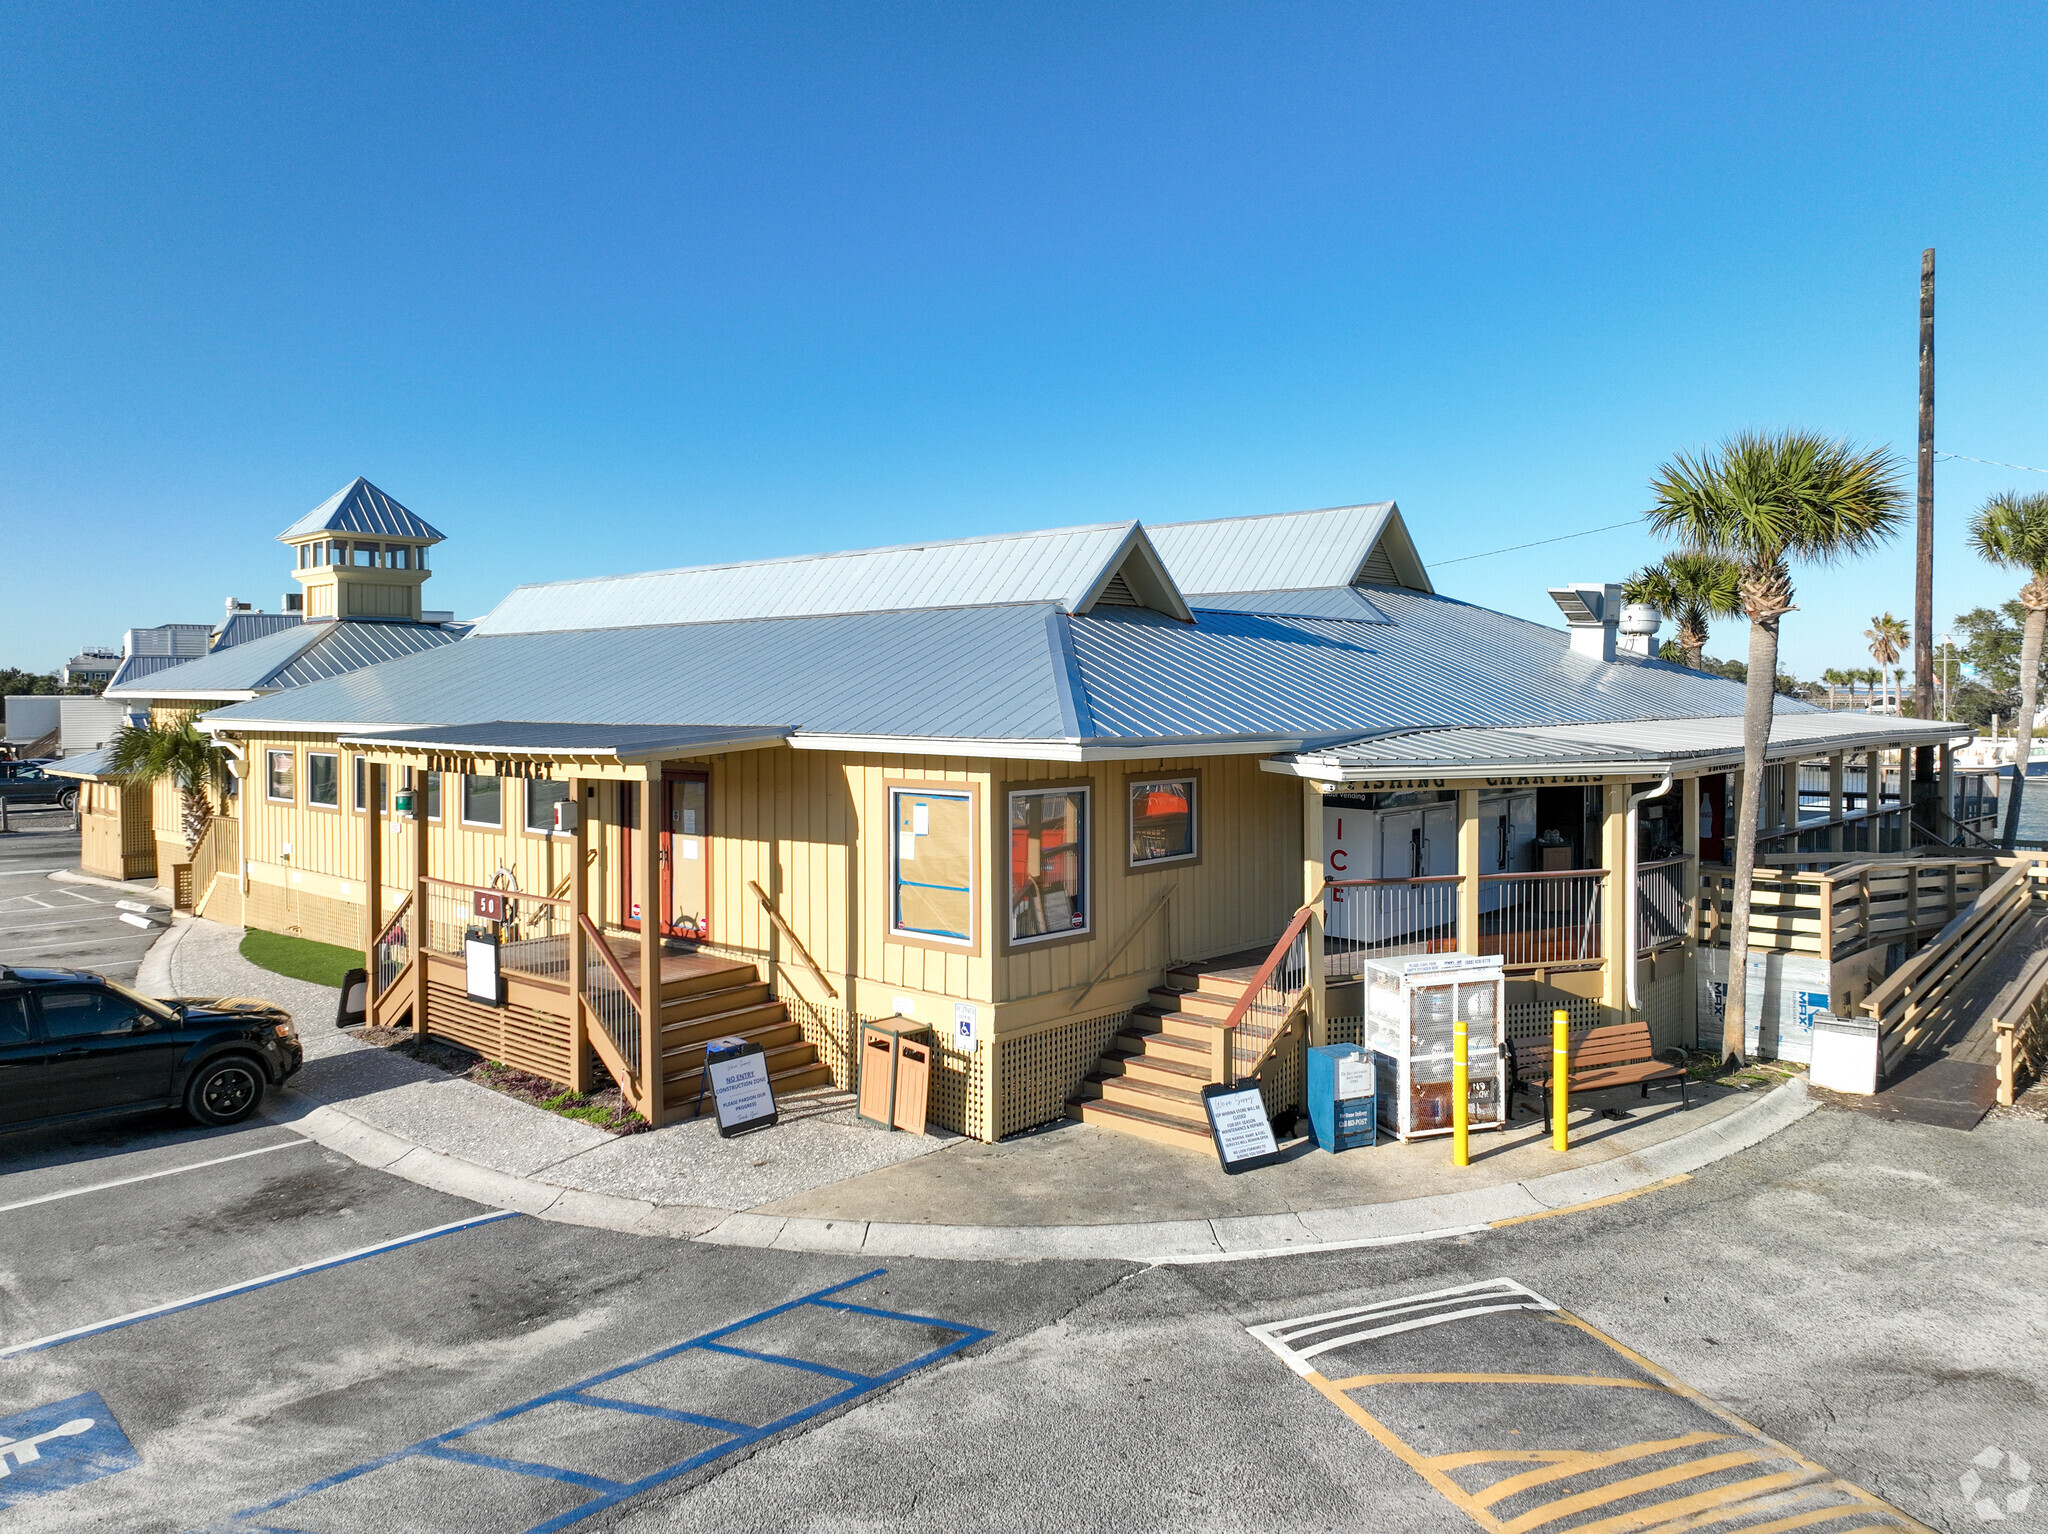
(292,657)
(136,667)
(243,627)
(1064,567)
(360,507)
(89,764)
(1284,551)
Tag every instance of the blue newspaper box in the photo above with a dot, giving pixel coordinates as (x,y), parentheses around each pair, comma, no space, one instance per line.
(1341,1102)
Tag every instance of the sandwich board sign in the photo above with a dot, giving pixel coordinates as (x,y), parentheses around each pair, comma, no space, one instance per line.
(1239,1126)
(741,1094)
(480,968)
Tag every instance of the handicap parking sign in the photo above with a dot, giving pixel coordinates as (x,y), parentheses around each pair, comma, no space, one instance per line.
(67,1443)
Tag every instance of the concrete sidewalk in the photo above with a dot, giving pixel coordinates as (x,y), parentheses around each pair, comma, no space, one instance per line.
(821,1181)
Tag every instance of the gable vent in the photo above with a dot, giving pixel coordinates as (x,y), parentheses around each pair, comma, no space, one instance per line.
(1118,594)
(1379,570)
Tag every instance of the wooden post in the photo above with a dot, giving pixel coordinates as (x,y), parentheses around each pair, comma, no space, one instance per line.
(1946,767)
(1788,802)
(373,879)
(579,945)
(1838,778)
(1313,873)
(1616,941)
(1923,564)
(647,890)
(1468,871)
(420,873)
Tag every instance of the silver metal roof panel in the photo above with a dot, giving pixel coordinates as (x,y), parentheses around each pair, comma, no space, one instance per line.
(1284,551)
(360,507)
(243,627)
(1063,567)
(623,742)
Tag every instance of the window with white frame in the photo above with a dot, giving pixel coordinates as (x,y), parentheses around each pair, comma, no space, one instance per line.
(433,796)
(362,786)
(931,865)
(1048,895)
(541,799)
(480,801)
(277,766)
(323,779)
(1162,821)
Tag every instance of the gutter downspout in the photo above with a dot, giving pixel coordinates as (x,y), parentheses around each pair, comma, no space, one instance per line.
(1629,889)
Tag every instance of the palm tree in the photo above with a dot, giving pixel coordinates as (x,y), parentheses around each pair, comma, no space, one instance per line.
(1888,638)
(1688,587)
(2011,531)
(173,750)
(1834,678)
(1763,499)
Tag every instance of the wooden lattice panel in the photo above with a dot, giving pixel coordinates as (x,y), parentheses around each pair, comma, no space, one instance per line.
(1036,1074)
(522,1037)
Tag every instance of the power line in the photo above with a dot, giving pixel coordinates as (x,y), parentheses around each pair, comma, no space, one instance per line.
(2024,468)
(1610,527)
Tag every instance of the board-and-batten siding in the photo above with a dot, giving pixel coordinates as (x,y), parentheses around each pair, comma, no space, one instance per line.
(813,830)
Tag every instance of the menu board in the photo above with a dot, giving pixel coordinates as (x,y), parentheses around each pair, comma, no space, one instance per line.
(1238,1125)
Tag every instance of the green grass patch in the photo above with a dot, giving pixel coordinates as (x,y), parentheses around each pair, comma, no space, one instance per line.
(300,958)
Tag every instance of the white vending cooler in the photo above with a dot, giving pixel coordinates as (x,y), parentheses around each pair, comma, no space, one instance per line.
(1411,1004)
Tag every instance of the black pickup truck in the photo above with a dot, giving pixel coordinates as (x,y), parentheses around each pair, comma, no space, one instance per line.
(27,783)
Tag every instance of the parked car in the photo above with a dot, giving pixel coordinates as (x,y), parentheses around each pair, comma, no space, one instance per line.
(27,783)
(75,1045)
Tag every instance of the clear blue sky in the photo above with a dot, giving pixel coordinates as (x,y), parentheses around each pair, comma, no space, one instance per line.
(598,289)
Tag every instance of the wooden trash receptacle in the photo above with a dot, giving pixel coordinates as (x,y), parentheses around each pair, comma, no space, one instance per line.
(913,1081)
(880,1100)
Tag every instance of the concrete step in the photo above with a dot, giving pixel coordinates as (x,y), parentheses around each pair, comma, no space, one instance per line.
(1142,1122)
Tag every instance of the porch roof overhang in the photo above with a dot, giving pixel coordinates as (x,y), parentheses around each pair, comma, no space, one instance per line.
(1643,748)
(618,744)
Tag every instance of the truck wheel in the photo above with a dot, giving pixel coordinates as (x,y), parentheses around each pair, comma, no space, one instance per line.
(225,1091)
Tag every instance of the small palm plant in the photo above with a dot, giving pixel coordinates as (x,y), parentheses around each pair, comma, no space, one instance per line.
(1888,638)
(2011,531)
(1761,500)
(1689,588)
(172,751)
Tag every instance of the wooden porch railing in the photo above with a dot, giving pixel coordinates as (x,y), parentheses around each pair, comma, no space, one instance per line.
(1840,911)
(394,952)
(1270,1008)
(219,849)
(1372,918)
(789,936)
(1919,995)
(2021,1031)
(613,1001)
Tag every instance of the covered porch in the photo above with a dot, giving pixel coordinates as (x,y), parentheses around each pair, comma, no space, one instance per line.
(585,984)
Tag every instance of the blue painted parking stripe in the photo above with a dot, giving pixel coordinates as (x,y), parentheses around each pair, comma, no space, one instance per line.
(522,1467)
(793,1363)
(668,1413)
(582,1394)
(172,1307)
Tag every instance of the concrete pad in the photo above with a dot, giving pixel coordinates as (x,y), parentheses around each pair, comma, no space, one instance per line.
(745,1230)
(599,1210)
(1259,1232)
(821,1236)
(480,1184)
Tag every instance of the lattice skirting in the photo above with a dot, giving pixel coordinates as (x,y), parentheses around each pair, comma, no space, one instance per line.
(1531,1019)
(1037,1073)
(959,1096)
(520,1037)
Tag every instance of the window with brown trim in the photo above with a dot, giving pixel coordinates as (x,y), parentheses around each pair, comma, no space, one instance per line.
(278,771)
(1049,895)
(1163,821)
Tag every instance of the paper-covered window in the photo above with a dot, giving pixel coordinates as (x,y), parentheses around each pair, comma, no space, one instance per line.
(932,865)
(1162,821)
(1048,864)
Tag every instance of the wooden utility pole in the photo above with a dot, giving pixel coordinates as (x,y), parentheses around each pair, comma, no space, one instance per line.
(1923,570)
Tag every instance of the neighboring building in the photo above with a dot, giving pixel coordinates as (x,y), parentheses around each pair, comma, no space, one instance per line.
(187,669)
(31,718)
(89,668)
(1029,791)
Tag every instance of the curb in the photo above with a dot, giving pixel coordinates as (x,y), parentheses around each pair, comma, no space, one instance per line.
(1233,1238)
(153,975)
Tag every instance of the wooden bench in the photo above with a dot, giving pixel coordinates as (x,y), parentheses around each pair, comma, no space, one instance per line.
(1619,1055)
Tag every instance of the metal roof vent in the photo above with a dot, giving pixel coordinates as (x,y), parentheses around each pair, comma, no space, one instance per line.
(1117,593)
(1378,569)
(1592,613)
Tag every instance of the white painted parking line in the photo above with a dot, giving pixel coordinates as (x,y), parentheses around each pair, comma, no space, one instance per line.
(246,1285)
(86,898)
(173,1171)
(21,873)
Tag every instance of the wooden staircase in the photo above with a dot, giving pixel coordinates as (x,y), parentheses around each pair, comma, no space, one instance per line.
(727,999)
(1149,1082)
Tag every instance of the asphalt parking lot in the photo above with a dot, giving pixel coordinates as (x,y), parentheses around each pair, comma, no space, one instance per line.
(264,1335)
(66,925)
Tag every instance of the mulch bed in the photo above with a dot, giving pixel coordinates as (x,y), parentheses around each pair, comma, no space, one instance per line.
(603,1106)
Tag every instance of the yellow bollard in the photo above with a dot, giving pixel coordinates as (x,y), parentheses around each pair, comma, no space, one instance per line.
(1560,1070)
(1461,1077)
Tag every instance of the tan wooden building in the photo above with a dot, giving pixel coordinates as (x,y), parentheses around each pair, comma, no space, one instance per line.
(1113,811)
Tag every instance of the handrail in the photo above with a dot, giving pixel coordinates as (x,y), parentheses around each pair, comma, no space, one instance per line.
(1346,884)
(517,896)
(794,941)
(604,951)
(394,923)
(1902,1010)
(1643,868)
(1152,910)
(1272,962)
(562,889)
(2007,1023)
(1553,873)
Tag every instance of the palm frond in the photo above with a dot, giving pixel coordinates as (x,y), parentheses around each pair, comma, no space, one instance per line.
(2011,531)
